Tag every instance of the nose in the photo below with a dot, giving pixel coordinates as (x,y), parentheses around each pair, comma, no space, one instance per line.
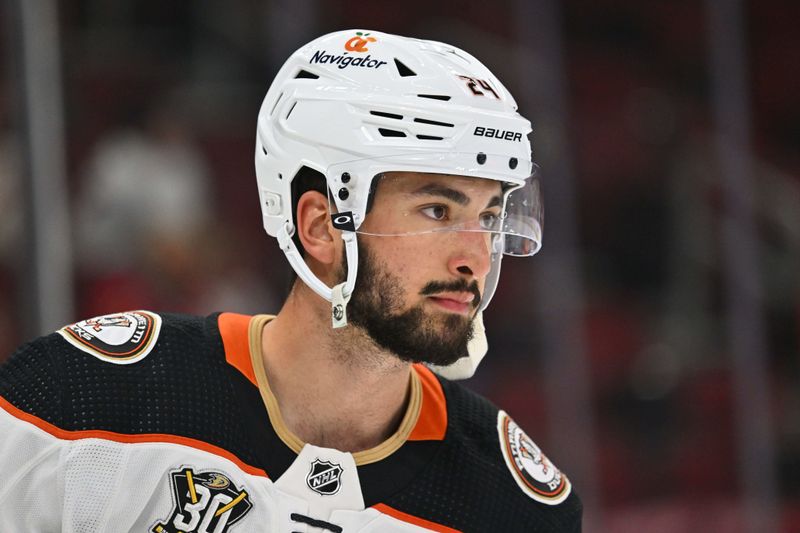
(471,255)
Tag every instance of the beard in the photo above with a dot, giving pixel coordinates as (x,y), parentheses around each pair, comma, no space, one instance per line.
(412,335)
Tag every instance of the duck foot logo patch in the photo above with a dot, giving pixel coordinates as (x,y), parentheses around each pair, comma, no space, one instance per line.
(205,502)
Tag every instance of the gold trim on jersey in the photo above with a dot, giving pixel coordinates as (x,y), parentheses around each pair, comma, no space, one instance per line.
(365,457)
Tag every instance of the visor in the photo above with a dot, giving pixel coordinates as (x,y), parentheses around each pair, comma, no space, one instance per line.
(407,203)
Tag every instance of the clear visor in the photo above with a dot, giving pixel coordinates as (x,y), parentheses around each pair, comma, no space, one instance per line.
(407,204)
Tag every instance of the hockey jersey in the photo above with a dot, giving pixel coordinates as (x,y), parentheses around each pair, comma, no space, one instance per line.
(166,423)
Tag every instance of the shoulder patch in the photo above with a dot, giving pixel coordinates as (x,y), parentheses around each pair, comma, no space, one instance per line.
(121,338)
(533,472)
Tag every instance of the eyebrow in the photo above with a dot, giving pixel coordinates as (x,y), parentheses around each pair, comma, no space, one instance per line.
(435,189)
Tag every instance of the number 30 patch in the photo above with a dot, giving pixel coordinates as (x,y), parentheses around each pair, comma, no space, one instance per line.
(205,502)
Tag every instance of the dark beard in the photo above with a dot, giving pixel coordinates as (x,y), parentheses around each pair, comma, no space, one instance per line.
(412,335)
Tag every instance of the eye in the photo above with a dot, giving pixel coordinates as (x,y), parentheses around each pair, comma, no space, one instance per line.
(490,220)
(436,212)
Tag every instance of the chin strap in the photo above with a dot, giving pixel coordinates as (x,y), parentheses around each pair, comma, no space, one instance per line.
(339,306)
(339,295)
(476,348)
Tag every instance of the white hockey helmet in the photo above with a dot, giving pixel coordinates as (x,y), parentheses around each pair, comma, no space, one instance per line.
(355,104)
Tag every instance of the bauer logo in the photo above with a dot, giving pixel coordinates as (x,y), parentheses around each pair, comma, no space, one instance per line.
(359,42)
(204,502)
(122,338)
(324,477)
(503,135)
(345,60)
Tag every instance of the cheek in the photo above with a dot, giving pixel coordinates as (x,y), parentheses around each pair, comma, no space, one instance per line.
(407,258)
(399,259)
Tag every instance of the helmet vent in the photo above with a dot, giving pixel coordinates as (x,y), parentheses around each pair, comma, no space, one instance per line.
(272,111)
(390,133)
(433,122)
(429,138)
(442,97)
(403,70)
(386,115)
(304,74)
(290,110)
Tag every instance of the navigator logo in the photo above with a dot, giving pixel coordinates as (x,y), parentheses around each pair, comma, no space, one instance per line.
(359,42)
(345,60)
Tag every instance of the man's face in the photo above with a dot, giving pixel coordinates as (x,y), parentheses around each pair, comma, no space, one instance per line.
(419,284)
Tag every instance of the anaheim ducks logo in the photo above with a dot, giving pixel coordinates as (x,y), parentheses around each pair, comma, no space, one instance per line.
(205,502)
(533,472)
(122,338)
(217,481)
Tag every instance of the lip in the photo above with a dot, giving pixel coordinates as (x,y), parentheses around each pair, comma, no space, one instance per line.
(456,302)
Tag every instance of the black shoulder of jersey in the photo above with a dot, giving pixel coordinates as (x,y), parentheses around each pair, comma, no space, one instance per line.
(183,386)
(469,486)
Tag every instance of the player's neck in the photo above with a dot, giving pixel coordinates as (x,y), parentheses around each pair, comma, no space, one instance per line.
(335,388)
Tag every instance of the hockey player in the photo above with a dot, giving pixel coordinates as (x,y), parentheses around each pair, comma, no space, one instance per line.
(394,173)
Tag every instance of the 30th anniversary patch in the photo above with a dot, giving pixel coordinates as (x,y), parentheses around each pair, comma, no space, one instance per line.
(533,472)
(205,502)
(122,338)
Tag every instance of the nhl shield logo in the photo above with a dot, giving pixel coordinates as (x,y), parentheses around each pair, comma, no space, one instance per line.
(324,477)
(204,502)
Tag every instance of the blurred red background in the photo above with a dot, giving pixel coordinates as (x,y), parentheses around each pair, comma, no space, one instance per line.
(160,103)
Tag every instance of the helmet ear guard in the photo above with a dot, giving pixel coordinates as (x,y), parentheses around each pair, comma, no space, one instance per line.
(354,108)
(338,295)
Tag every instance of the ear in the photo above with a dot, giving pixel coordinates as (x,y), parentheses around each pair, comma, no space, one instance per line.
(315,229)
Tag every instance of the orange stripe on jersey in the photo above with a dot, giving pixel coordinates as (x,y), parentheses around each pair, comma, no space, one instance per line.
(234,329)
(432,421)
(123,438)
(411,519)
